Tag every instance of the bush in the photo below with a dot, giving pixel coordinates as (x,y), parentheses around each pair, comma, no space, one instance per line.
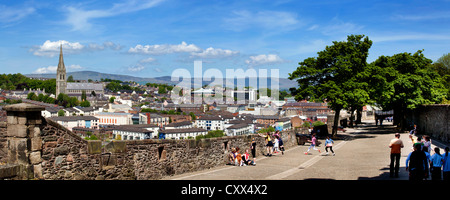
(318,123)
(211,134)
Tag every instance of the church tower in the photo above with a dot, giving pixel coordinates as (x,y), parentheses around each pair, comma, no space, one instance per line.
(61,79)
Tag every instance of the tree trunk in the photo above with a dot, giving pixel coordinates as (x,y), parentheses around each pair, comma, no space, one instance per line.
(336,122)
(352,110)
(359,115)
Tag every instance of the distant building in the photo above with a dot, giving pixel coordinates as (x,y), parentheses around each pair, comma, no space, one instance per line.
(107,118)
(77,121)
(239,129)
(179,125)
(210,123)
(181,133)
(73,89)
(135,132)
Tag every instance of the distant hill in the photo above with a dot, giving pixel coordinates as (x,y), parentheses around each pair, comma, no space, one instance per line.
(284,84)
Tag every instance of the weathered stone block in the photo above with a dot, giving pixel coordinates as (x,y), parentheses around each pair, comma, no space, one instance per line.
(37,170)
(17,130)
(62,150)
(35,157)
(17,150)
(9,170)
(11,119)
(94,147)
(21,117)
(116,147)
(36,144)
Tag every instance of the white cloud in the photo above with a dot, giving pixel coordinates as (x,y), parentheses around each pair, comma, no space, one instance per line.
(79,18)
(52,69)
(264,59)
(46,70)
(75,67)
(214,53)
(108,44)
(136,68)
(51,48)
(147,60)
(242,20)
(337,27)
(164,48)
(10,14)
(156,69)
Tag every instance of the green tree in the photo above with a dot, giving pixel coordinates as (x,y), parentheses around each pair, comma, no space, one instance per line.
(334,75)
(70,79)
(407,81)
(85,103)
(61,112)
(442,67)
(111,99)
(31,96)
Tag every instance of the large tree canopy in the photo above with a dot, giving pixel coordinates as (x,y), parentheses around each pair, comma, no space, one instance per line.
(404,81)
(335,75)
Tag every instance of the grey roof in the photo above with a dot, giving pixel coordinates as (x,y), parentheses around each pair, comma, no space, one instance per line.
(238,126)
(265,117)
(210,117)
(184,123)
(84,86)
(73,118)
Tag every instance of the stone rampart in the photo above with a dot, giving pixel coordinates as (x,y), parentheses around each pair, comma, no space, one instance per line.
(434,120)
(36,148)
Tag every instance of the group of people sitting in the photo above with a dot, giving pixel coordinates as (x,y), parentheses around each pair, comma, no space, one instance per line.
(238,159)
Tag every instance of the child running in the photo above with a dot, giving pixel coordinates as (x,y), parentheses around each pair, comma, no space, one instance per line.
(329,144)
(313,144)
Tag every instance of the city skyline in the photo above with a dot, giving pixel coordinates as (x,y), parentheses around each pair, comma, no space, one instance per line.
(153,38)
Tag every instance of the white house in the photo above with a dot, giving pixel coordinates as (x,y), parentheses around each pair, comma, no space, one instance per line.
(210,123)
(182,133)
(107,118)
(77,121)
(239,129)
(179,125)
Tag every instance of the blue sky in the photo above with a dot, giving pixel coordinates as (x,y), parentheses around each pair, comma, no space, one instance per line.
(150,38)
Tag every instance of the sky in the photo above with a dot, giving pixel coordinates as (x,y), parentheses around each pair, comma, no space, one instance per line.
(153,38)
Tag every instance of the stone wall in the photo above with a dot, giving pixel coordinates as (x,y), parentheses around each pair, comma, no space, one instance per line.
(37,148)
(3,142)
(434,120)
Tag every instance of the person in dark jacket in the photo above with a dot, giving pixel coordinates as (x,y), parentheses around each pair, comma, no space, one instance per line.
(416,164)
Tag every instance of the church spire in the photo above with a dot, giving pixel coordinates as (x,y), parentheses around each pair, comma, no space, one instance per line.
(61,60)
(61,79)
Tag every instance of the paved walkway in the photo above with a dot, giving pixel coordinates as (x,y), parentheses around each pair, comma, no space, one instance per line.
(361,154)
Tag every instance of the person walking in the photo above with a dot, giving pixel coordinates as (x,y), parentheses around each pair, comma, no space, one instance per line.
(446,165)
(416,164)
(436,164)
(313,144)
(427,142)
(269,143)
(396,144)
(253,150)
(329,144)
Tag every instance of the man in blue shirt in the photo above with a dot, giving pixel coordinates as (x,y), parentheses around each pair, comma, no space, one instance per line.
(446,165)
(436,164)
